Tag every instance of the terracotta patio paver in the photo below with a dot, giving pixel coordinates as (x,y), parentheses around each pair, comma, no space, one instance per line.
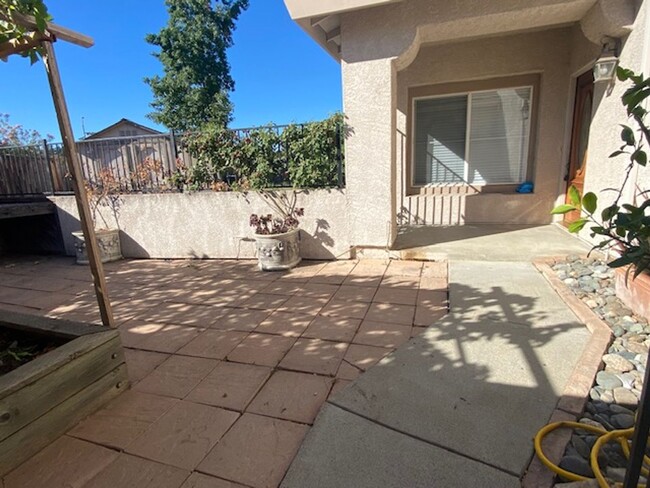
(177,376)
(198,480)
(345,308)
(214,344)
(230,385)
(256,451)
(338,329)
(184,435)
(363,357)
(287,324)
(184,314)
(262,349)
(123,420)
(355,293)
(134,472)
(391,313)
(382,334)
(66,463)
(141,363)
(264,301)
(398,296)
(229,365)
(240,319)
(292,396)
(315,356)
(309,305)
(148,336)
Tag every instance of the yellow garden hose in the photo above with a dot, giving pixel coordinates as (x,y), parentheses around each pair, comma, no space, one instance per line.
(622,436)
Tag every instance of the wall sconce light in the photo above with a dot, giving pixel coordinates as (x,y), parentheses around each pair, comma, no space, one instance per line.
(605,65)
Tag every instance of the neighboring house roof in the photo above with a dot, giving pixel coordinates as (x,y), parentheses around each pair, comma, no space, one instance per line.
(102,133)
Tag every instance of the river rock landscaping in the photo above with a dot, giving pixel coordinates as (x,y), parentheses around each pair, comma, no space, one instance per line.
(616,392)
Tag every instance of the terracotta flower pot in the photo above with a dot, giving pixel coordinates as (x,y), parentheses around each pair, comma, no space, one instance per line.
(277,252)
(635,293)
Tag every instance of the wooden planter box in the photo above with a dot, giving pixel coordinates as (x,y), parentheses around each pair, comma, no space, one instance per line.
(635,293)
(44,398)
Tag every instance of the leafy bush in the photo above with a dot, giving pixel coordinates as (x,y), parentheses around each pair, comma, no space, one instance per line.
(299,156)
(625,227)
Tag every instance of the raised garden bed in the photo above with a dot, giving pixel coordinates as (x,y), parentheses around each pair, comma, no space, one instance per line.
(42,399)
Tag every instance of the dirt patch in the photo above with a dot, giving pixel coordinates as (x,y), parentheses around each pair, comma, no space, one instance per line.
(18,348)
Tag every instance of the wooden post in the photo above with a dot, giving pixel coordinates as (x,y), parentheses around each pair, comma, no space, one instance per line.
(72,157)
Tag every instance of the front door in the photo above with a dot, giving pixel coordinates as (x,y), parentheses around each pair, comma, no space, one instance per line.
(580,138)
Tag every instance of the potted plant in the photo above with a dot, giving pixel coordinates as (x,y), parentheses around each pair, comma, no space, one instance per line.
(624,227)
(102,193)
(277,238)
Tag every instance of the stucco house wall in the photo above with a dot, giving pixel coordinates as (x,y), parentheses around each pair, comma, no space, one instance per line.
(386,48)
(546,53)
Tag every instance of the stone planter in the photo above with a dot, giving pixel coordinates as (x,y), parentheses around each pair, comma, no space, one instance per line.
(108,241)
(278,252)
(635,293)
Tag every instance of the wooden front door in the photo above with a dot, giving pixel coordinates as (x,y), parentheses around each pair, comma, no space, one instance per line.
(580,138)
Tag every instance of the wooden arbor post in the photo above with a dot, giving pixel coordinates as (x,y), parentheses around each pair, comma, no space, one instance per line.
(72,157)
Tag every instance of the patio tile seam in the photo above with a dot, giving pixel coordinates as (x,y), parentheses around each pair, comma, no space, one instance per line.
(421,439)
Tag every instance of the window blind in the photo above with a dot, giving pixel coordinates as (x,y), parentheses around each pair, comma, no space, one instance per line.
(491,149)
(440,133)
(498,136)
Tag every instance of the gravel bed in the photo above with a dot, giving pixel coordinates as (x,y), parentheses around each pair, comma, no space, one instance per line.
(615,395)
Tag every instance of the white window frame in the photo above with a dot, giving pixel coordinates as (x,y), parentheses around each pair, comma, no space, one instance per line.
(467,134)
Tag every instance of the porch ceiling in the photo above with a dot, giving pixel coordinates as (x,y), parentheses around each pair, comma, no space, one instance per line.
(436,22)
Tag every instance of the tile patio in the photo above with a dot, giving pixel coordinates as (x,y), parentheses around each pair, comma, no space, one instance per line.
(229,366)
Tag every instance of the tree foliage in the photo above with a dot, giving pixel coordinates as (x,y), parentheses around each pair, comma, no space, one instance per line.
(625,227)
(196,81)
(14,33)
(17,135)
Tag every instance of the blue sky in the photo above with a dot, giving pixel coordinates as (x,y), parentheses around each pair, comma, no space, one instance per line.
(280,74)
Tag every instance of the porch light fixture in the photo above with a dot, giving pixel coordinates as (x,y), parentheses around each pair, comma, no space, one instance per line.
(605,65)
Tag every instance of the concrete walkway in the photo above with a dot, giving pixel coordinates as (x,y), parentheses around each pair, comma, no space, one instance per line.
(459,404)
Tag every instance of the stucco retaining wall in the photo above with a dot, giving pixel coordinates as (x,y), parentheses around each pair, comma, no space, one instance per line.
(213,225)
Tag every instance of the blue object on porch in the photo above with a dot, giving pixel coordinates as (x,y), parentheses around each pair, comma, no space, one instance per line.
(525,187)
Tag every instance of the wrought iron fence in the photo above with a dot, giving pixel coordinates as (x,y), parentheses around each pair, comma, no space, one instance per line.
(133,163)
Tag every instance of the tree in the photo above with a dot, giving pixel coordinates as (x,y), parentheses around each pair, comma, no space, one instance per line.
(12,32)
(196,81)
(17,135)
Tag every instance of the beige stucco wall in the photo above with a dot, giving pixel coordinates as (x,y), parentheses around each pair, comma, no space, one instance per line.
(386,49)
(546,53)
(213,225)
(604,172)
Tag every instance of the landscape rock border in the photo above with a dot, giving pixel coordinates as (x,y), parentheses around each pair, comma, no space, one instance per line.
(576,392)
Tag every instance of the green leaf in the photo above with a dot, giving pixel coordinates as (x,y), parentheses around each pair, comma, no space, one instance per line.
(627,136)
(640,157)
(577,226)
(590,202)
(563,209)
(617,153)
(574,196)
(609,212)
(622,261)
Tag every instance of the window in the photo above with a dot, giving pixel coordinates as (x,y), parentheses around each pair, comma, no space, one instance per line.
(478,138)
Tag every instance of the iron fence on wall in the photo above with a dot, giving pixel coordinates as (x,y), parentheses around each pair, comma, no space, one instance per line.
(133,163)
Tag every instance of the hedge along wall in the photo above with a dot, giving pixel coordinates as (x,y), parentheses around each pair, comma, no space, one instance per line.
(210,224)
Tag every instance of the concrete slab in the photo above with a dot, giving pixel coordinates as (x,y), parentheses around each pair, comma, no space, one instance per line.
(344,450)
(482,380)
(505,291)
(487,242)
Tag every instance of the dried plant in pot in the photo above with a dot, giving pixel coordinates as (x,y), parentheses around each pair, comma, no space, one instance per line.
(277,237)
(104,193)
